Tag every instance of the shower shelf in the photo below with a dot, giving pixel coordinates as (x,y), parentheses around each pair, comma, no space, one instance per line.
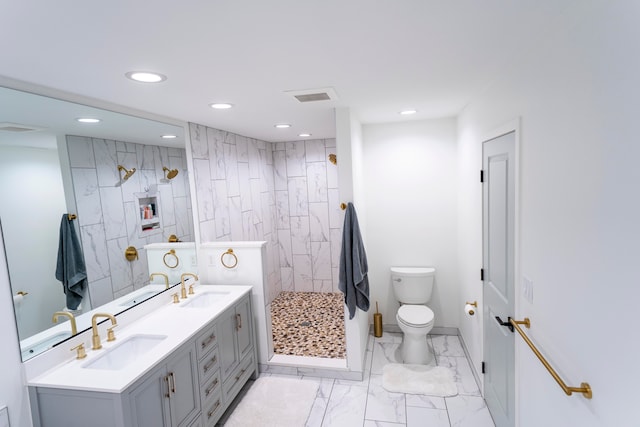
(149,217)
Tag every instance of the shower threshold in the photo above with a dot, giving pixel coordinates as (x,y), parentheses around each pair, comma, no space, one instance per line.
(307,362)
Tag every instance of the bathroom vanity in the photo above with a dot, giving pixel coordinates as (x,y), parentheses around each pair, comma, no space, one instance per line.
(180,365)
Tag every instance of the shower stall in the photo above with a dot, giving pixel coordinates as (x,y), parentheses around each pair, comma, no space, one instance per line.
(286,195)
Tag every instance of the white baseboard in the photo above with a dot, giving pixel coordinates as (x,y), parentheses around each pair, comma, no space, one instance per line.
(436,330)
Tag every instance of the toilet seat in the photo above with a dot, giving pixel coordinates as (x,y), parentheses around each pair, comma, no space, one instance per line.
(417,316)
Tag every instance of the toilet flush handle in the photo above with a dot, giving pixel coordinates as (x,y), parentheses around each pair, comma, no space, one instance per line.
(397,280)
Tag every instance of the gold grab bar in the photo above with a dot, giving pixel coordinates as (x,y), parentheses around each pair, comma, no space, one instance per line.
(584,388)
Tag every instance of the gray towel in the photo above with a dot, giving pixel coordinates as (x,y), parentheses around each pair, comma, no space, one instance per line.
(71,270)
(353,265)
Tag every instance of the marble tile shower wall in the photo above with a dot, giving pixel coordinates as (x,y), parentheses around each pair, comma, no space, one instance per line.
(249,189)
(108,211)
(235,192)
(309,219)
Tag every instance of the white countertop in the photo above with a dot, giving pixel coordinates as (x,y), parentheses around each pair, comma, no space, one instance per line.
(178,323)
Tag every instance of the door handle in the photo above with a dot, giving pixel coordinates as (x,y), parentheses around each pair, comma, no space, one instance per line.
(507,323)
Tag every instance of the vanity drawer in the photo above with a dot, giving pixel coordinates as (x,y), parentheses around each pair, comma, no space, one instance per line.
(210,388)
(212,410)
(208,365)
(236,380)
(206,341)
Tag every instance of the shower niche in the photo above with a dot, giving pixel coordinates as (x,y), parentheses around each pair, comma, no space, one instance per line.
(149,217)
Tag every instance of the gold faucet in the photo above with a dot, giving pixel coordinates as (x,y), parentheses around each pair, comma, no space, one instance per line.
(74,328)
(183,290)
(166,278)
(94,326)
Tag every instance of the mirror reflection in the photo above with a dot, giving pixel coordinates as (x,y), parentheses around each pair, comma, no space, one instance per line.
(116,184)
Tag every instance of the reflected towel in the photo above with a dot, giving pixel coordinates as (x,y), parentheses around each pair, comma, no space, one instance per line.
(70,269)
(353,279)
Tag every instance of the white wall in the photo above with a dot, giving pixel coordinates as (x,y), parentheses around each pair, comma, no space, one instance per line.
(32,231)
(576,92)
(13,392)
(410,173)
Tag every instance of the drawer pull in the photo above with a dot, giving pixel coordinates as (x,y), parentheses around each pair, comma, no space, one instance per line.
(208,391)
(173,382)
(166,379)
(238,321)
(212,362)
(214,409)
(208,341)
(240,375)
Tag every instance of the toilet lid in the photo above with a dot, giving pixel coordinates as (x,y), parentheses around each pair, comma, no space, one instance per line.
(415,315)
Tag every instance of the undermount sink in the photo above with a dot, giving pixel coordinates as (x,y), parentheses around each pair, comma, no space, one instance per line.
(138,298)
(119,356)
(45,344)
(203,300)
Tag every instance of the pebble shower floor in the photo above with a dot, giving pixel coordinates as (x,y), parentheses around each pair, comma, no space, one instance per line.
(308,324)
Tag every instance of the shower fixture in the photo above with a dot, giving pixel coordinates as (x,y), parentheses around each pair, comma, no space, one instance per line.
(171,173)
(127,173)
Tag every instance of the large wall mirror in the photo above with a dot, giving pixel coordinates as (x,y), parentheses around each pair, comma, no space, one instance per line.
(123,180)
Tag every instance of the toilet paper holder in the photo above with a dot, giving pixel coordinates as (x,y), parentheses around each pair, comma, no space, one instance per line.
(468,309)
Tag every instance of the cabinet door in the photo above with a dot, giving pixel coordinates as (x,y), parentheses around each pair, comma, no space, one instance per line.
(227,343)
(149,401)
(182,372)
(245,325)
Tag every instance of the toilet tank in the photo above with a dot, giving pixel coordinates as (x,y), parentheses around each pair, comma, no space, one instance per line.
(412,285)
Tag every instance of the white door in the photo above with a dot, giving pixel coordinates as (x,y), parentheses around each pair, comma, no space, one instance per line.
(498,165)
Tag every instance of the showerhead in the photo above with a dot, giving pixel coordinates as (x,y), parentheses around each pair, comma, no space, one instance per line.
(127,172)
(171,173)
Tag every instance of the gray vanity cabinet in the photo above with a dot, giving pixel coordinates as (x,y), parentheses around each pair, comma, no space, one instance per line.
(168,396)
(192,387)
(235,336)
(236,348)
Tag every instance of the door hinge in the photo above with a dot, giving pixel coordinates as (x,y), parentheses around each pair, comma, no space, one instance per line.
(482,274)
(481,175)
(482,367)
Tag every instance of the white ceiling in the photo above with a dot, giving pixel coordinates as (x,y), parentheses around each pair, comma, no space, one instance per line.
(379,56)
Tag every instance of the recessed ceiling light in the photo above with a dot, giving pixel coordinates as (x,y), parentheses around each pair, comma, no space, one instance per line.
(221,106)
(408,112)
(146,76)
(283,125)
(304,135)
(168,136)
(88,120)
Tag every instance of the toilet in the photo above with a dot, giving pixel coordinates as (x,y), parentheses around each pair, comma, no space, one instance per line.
(412,288)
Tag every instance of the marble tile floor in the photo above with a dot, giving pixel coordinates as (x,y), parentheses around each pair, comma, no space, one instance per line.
(308,324)
(346,403)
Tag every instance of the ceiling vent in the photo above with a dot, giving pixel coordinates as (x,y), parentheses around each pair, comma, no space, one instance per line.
(17,128)
(313,95)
